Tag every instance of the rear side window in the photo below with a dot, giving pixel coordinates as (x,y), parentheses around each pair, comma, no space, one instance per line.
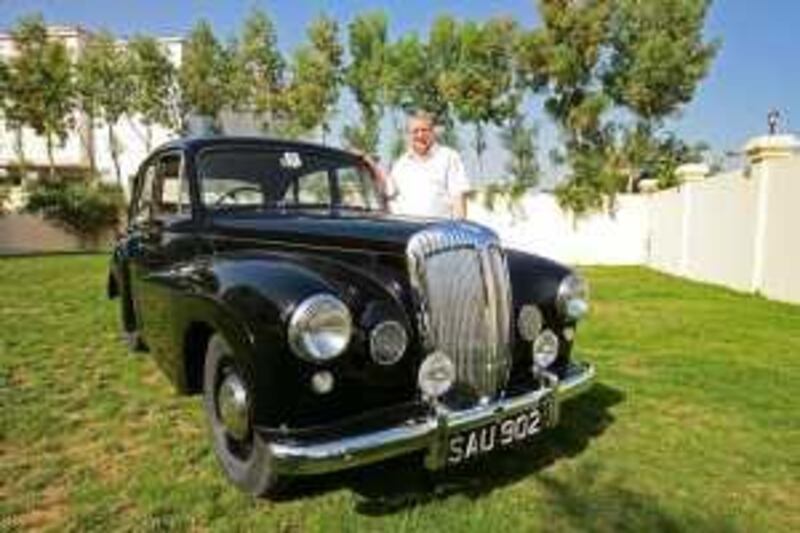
(163,189)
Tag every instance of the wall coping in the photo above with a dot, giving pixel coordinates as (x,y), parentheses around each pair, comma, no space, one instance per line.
(692,172)
(766,147)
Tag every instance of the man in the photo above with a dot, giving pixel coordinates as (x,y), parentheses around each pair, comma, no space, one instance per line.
(429,179)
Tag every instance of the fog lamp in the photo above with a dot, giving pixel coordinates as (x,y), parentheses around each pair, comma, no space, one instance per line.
(529,322)
(388,342)
(545,350)
(322,382)
(436,375)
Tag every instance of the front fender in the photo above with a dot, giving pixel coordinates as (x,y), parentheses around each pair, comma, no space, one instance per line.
(248,300)
(535,279)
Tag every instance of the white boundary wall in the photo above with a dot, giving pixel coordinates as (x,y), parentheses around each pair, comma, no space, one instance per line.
(537,224)
(739,229)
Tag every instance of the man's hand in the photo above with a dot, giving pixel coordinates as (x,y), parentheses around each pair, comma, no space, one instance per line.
(380,178)
(460,206)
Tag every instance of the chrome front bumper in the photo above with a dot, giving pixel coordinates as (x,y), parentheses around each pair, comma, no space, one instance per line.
(429,434)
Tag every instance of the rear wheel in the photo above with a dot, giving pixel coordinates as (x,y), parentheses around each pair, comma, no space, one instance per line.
(228,399)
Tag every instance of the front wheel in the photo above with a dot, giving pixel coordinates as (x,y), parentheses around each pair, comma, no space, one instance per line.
(228,400)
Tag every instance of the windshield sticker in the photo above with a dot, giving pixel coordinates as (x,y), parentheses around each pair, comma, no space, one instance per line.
(291,160)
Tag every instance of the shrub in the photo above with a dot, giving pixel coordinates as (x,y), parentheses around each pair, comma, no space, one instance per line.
(84,208)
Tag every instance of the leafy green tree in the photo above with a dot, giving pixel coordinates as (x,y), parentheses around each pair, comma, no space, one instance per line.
(257,69)
(204,75)
(480,86)
(41,90)
(442,58)
(411,79)
(562,58)
(366,77)
(658,55)
(519,141)
(155,90)
(316,73)
(592,55)
(646,154)
(104,86)
(413,82)
(657,59)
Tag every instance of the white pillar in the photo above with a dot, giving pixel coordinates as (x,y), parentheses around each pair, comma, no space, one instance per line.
(761,152)
(688,175)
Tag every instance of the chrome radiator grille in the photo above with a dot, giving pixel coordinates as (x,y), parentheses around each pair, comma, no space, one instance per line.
(460,280)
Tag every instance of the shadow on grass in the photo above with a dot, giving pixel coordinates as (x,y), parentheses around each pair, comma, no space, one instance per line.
(392,486)
(590,500)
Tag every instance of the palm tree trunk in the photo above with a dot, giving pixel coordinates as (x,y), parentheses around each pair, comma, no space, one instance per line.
(50,158)
(87,140)
(112,144)
(19,149)
(480,146)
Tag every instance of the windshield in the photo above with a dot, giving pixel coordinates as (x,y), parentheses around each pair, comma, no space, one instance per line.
(258,178)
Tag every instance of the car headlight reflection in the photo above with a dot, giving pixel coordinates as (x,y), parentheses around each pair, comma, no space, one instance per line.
(436,375)
(545,350)
(387,342)
(320,328)
(573,297)
(529,322)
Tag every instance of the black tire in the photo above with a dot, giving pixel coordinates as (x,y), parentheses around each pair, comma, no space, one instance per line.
(247,462)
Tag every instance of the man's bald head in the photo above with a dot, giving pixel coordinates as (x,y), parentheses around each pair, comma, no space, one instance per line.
(420,127)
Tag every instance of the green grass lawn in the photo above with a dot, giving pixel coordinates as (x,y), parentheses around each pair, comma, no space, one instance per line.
(694,425)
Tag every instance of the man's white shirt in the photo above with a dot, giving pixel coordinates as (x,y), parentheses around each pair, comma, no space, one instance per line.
(427,186)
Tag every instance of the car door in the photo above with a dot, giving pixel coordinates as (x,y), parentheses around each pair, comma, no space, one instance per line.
(161,237)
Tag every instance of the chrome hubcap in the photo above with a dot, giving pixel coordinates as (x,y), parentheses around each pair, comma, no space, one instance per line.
(233,406)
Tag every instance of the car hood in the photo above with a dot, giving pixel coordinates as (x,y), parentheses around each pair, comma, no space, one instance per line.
(349,230)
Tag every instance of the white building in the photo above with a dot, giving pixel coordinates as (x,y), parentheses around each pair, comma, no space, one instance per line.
(72,156)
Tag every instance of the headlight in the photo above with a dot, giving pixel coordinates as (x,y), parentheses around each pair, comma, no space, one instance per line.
(436,375)
(573,297)
(320,328)
(545,350)
(529,322)
(387,342)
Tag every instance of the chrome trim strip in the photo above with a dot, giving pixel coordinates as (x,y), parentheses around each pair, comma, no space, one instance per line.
(430,433)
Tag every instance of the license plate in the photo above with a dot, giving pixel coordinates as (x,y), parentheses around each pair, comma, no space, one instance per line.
(499,434)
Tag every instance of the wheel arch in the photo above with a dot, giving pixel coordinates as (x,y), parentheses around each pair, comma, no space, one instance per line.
(195,343)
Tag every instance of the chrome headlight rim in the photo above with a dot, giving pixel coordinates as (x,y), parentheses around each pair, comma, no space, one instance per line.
(572,299)
(530,322)
(436,375)
(301,333)
(377,335)
(545,349)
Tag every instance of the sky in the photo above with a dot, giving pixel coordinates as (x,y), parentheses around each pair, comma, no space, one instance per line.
(757,68)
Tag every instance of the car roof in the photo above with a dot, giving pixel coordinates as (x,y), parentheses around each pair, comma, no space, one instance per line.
(196,143)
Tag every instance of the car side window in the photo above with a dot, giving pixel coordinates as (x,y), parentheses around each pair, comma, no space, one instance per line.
(356,188)
(309,189)
(163,191)
(170,191)
(142,209)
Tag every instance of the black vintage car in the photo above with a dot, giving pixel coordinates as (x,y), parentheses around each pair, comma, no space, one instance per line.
(323,332)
